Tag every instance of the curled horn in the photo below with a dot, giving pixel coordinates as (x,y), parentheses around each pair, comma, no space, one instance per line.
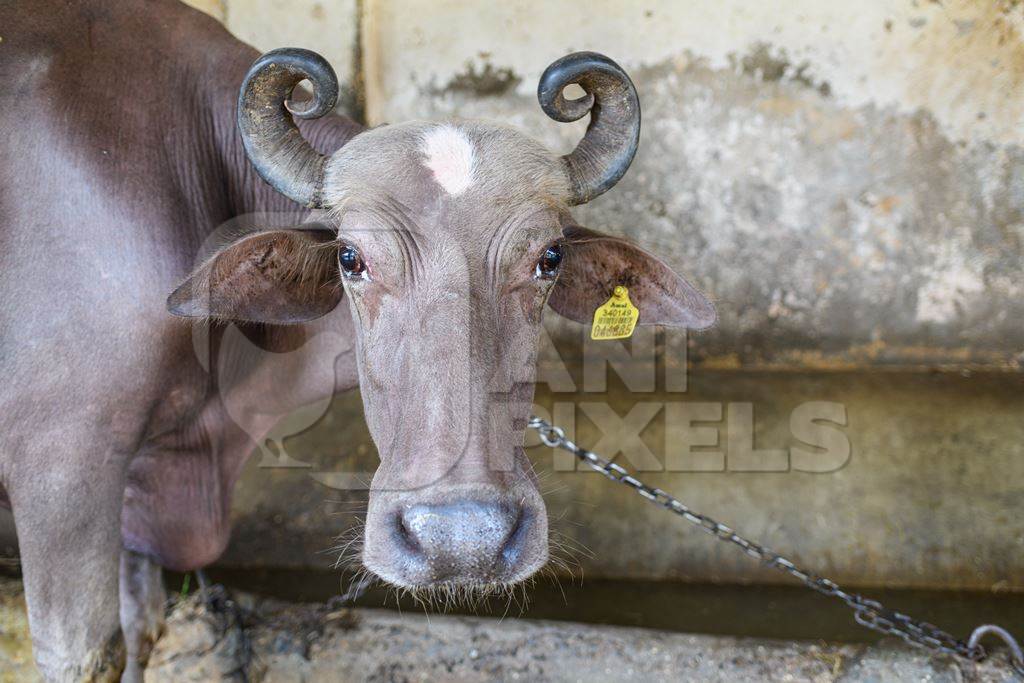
(272,141)
(605,152)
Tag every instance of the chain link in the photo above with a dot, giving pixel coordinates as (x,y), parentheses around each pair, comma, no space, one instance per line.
(868,613)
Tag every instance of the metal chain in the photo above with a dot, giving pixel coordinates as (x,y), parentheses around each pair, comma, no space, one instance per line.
(867,612)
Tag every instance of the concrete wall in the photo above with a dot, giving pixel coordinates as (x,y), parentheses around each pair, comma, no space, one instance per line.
(846,179)
(329,27)
(843,178)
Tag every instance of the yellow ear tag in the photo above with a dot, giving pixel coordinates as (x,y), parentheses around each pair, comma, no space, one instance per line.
(615,318)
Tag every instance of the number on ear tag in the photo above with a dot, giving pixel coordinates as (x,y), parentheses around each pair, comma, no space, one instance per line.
(615,318)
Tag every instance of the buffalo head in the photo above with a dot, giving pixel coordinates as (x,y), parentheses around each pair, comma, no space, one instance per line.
(446,240)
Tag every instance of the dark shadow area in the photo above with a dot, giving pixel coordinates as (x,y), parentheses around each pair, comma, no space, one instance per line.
(786,612)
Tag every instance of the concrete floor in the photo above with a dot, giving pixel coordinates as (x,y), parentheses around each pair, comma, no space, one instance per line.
(277,642)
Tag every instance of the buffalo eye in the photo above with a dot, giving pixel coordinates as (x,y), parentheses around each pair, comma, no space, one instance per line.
(550,260)
(351,262)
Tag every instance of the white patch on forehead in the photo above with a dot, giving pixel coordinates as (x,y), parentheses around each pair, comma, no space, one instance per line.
(449,155)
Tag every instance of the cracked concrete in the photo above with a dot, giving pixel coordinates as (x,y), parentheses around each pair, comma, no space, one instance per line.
(274,642)
(317,643)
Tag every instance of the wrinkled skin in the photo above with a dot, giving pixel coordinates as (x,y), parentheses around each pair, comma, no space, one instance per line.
(120,159)
(121,435)
(447,405)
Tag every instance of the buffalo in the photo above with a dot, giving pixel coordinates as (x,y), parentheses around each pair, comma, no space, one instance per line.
(432,248)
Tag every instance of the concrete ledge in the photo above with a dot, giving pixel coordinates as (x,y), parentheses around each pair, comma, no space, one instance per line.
(272,641)
(315,643)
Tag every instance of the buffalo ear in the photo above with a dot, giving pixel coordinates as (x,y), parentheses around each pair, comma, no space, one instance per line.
(594,264)
(279,277)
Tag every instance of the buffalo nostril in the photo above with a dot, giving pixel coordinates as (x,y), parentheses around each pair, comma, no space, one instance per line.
(516,540)
(405,536)
(464,538)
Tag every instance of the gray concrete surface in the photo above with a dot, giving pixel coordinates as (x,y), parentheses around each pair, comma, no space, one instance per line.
(843,179)
(274,642)
(314,643)
(330,27)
